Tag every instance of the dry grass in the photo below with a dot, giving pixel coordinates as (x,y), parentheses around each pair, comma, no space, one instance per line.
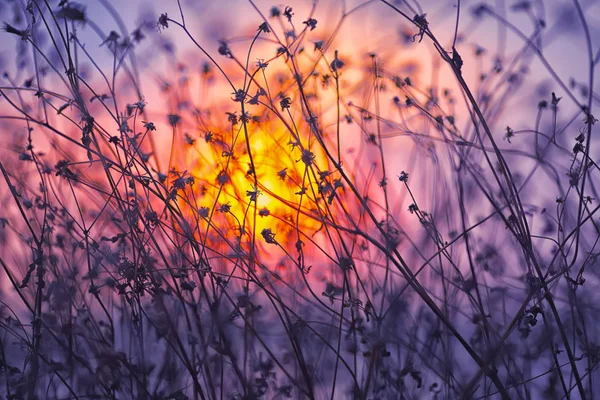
(287,218)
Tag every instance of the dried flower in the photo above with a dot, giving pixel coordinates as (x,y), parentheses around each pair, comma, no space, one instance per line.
(421,21)
(282,174)
(403,177)
(149,126)
(173,119)
(255,99)
(253,194)
(285,102)
(204,212)
(308,157)
(137,35)
(163,22)
(268,235)
(23,33)
(239,95)
(336,64)
(111,39)
(288,13)
(275,12)
(589,118)
(72,12)
(264,27)
(188,139)
(509,134)
(224,49)
(232,117)
(311,23)
(261,64)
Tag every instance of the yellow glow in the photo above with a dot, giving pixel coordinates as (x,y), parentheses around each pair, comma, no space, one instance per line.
(280,175)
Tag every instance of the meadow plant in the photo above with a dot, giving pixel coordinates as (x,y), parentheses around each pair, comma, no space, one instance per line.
(319,200)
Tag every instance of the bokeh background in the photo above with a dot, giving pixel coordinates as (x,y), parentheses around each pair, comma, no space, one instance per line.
(194,289)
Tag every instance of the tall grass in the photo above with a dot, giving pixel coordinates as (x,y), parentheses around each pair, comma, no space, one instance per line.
(276,213)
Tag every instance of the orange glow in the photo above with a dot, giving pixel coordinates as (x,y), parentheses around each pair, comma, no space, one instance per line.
(298,184)
(222,168)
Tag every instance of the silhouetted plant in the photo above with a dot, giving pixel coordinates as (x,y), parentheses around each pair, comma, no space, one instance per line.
(221,219)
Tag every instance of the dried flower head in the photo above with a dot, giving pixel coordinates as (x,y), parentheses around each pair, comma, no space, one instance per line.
(163,22)
(311,23)
(336,64)
(268,235)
